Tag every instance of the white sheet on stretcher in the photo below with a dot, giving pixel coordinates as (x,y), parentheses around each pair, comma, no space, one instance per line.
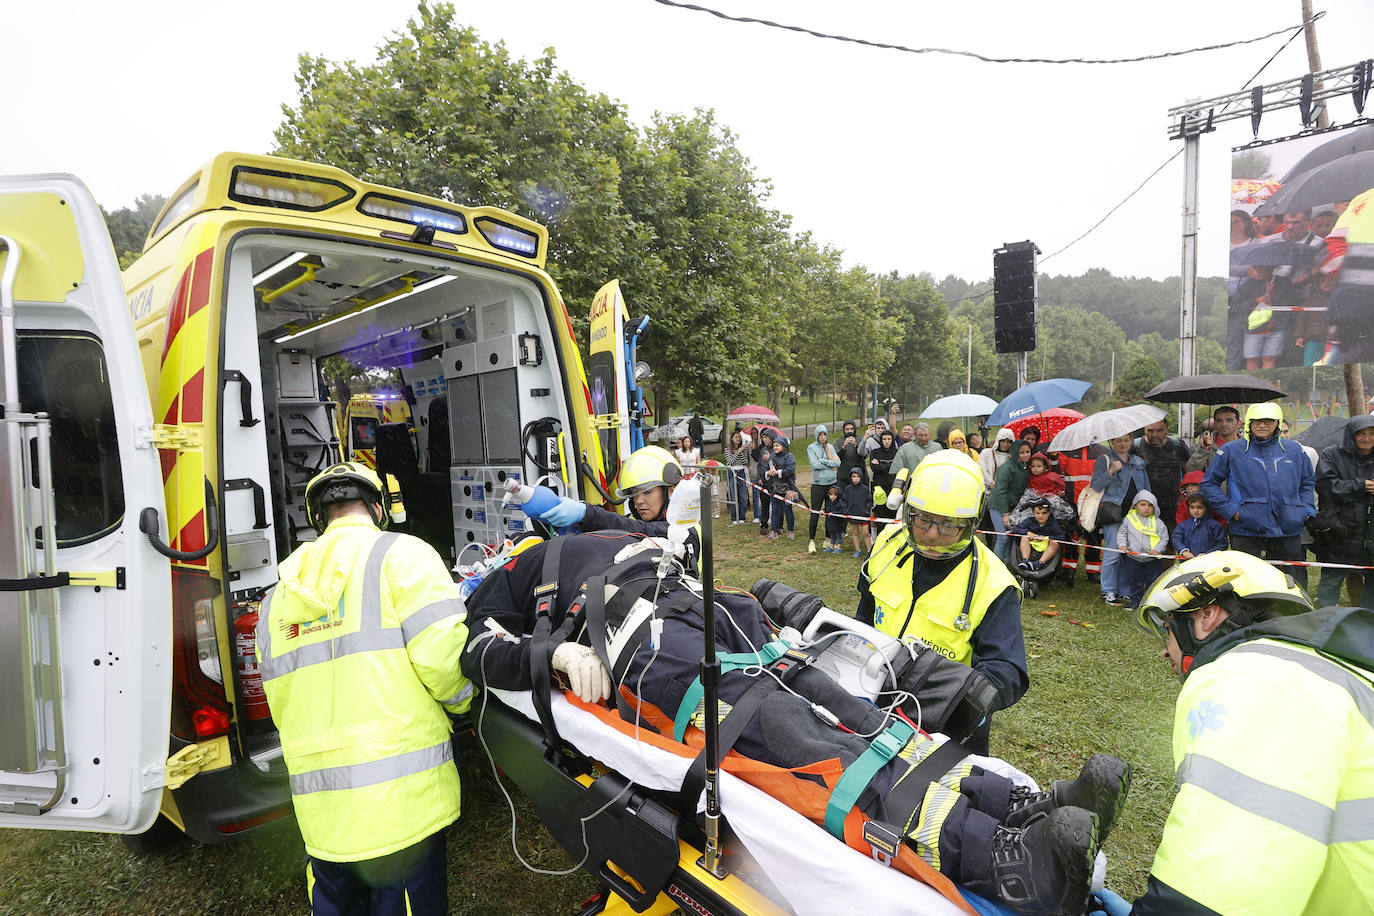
(817,873)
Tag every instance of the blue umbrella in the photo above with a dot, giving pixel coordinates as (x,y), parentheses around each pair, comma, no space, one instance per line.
(1038,396)
(961,405)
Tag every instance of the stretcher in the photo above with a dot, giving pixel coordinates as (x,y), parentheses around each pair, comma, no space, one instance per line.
(648,857)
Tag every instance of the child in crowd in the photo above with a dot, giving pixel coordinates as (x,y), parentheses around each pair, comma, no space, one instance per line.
(1043,480)
(1144,534)
(1198,533)
(858,503)
(1039,535)
(1047,484)
(1192,483)
(835,521)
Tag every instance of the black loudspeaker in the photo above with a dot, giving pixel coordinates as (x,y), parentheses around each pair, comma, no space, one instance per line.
(1013,292)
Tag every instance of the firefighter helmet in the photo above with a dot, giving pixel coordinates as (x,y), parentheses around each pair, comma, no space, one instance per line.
(1247,588)
(342,482)
(650,466)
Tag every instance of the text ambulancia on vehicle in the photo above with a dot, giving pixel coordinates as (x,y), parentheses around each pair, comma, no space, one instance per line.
(157,435)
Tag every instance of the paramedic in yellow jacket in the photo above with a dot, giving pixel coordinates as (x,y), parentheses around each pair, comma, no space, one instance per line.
(1273,746)
(358,645)
(930,578)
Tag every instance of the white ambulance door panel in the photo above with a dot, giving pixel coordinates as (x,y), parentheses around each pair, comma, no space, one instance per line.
(86,667)
(250,540)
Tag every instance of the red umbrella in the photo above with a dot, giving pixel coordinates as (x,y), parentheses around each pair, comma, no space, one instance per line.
(752,412)
(1050,422)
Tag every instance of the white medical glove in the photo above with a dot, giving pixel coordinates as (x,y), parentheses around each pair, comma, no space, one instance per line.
(587,677)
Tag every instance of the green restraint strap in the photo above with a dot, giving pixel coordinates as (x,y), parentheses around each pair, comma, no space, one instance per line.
(729,661)
(860,773)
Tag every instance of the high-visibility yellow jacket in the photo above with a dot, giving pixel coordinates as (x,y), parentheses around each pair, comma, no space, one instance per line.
(358,645)
(940,617)
(1274,751)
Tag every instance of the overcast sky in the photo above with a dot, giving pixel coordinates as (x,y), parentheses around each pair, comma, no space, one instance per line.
(908,162)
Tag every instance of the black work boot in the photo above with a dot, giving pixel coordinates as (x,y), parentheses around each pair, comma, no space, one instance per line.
(1100,788)
(1046,868)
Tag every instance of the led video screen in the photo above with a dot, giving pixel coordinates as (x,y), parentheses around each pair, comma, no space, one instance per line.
(1301,284)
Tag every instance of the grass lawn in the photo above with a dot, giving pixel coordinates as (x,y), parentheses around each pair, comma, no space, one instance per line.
(1097,683)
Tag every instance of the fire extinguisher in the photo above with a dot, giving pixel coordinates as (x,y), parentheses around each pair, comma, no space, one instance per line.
(252,699)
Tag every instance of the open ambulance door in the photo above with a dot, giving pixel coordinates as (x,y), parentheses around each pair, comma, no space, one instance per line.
(606,375)
(85,602)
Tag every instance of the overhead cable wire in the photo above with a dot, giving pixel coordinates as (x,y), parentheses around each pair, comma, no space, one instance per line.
(1138,188)
(973,54)
(1114,209)
(1296,33)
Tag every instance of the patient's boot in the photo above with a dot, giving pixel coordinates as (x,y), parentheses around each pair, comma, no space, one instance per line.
(1047,867)
(1100,788)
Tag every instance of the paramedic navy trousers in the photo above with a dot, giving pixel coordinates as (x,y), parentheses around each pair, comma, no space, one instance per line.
(411,881)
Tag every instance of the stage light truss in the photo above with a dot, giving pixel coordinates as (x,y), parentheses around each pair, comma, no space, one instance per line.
(1308,93)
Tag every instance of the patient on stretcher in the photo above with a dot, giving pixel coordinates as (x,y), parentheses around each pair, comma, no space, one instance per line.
(606,611)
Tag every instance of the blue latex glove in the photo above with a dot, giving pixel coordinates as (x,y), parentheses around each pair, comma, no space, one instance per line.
(1108,903)
(567,512)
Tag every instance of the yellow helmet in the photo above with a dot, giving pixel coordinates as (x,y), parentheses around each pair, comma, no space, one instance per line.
(340,483)
(947,483)
(1246,587)
(1266,411)
(650,466)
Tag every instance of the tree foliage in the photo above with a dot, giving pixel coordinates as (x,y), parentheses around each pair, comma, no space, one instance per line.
(129,226)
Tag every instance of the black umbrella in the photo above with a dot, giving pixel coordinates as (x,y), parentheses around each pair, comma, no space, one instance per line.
(1346,142)
(1273,253)
(1214,389)
(1341,179)
(1326,431)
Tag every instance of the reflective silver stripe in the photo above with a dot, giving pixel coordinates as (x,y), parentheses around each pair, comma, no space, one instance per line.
(1354,821)
(261,634)
(431,614)
(372,583)
(358,775)
(315,653)
(1360,690)
(1357,276)
(1288,809)
(464,694)
(370,637)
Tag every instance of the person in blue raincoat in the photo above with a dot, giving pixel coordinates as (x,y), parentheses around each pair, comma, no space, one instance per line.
(1270,489)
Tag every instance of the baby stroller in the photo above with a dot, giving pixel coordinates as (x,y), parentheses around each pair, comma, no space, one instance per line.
(1030,577)
(1031,574)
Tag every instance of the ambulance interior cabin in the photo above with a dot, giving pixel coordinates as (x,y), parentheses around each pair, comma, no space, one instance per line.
(471,347)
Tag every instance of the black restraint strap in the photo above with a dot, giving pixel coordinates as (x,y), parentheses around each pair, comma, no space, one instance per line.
(731,727)
(906,796)
(544,639)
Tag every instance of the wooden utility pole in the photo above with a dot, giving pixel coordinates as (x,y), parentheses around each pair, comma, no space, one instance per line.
(1354,377)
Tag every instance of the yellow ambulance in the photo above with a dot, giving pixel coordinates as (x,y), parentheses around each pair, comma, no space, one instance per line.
(159,432)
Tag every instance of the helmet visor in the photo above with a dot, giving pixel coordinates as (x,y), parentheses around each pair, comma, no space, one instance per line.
(942,524)
(1154,622)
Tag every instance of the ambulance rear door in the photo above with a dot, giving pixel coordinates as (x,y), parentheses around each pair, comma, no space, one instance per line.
(85,601)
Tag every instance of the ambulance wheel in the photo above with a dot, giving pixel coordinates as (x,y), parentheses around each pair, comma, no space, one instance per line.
(162,834)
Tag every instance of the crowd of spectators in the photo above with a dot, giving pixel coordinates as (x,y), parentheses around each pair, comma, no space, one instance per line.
(1240,483)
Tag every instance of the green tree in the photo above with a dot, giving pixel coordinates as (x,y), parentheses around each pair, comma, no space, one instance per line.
(1142,374)
(675,211)
(929,361)
(1250,163)
(129,226)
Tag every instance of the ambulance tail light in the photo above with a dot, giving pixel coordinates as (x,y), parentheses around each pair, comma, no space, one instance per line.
(506,237)
(200,709)
(286,190)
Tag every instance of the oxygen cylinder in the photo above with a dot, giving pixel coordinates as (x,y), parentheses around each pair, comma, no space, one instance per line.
(252,699)
(534,500)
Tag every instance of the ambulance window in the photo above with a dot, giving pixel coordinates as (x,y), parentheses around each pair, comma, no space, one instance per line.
(65,375)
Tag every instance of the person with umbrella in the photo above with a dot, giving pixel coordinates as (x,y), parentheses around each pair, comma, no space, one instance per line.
(1119,475)
(1344,526)
(1269,489)
(1011,481)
